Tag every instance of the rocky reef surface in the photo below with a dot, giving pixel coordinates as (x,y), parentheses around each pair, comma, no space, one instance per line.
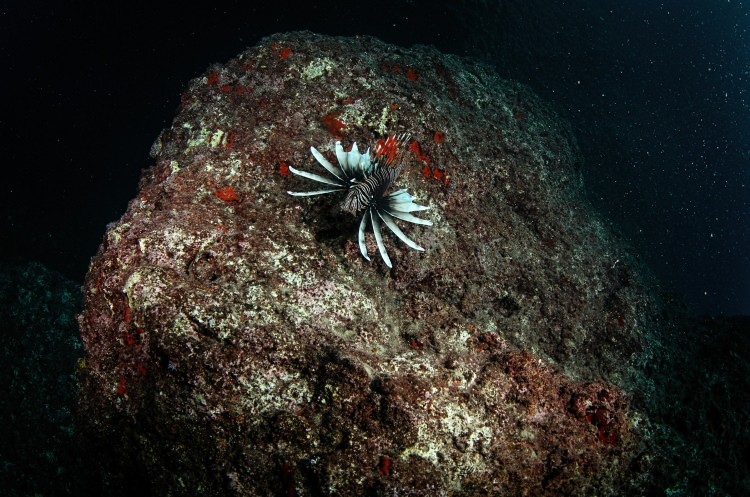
(237,342)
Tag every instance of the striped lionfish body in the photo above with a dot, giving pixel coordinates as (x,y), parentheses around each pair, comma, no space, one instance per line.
(366,179)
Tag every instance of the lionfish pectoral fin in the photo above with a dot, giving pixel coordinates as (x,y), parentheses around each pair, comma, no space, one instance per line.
(361,237)
(315,177)
(314,192)
(388,220)
(379,238)
(326,164)
(405,216)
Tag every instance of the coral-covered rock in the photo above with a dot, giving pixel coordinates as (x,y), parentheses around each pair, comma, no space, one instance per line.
(237,343)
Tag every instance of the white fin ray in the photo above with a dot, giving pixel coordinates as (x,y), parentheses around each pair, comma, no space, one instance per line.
(364,163)
(361,236)
(341,157)
(401,201)
(316,177)
(405,216)
(325,163)
(406,207)
(379,238)
(388,220)
(352,157)
(314,192)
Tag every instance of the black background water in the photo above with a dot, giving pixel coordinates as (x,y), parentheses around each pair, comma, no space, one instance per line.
(657,92)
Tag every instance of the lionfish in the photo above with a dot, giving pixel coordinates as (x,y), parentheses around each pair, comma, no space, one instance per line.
(365,178)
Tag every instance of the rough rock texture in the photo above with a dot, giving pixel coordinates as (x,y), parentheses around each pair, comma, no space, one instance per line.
(237,343)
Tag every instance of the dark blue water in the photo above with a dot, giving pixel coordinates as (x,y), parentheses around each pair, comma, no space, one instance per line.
(657,93)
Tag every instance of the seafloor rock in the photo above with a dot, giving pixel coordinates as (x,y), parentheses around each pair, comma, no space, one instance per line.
(237,343)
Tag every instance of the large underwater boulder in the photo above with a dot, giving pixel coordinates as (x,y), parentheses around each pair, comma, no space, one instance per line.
(237,342)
